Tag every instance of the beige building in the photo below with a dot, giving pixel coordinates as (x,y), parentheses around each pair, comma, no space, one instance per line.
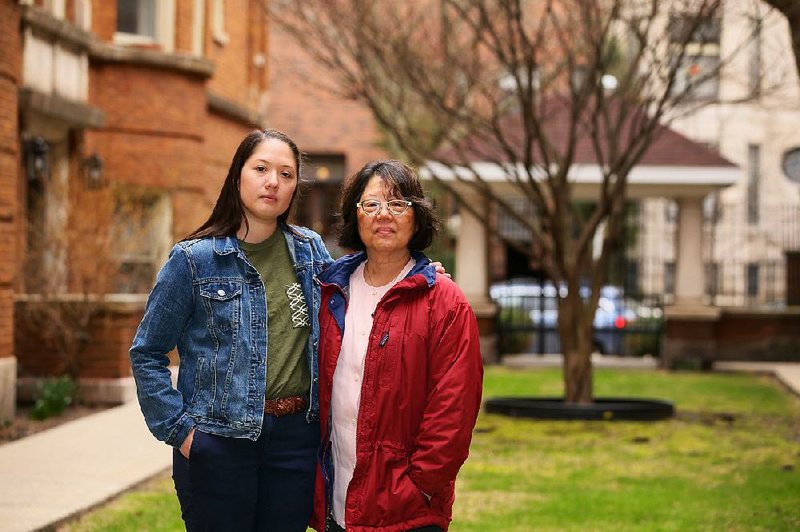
(750,226)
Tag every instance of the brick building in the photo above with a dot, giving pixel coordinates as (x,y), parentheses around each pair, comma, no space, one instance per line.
(9,155)
(126,115)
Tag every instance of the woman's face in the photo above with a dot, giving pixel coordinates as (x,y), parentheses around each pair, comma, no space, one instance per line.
(268,181)
(384,232)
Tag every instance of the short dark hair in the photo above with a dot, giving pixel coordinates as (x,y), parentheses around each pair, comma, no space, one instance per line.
(403,182)
(228,213)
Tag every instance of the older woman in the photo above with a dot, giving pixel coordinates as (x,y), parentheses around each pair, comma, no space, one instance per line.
(400,365)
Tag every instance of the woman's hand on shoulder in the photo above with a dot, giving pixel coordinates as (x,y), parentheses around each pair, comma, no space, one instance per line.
(440,268)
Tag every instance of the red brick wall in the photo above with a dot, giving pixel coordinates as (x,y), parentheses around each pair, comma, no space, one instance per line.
(793,277)
(184,17)
(317,120)
(235,76)
(106,355)
(9,166)
(104,19)
(155,130)
(736,334)
(148,100)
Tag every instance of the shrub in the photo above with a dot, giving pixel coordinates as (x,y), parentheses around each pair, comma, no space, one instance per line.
(54,396)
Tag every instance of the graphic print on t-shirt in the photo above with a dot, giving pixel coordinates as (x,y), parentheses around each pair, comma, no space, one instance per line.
(297,302)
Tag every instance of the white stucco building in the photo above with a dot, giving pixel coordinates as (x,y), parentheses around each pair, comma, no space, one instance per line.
(751,225)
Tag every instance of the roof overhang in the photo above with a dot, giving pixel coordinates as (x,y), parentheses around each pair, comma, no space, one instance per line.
(644,181)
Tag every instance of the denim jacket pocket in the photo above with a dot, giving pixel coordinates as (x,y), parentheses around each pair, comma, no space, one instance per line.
(222,300)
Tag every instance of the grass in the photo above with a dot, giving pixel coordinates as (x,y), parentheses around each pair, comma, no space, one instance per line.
(729,460)
(151,507)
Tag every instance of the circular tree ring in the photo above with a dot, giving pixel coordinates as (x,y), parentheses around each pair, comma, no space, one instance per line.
(604,408)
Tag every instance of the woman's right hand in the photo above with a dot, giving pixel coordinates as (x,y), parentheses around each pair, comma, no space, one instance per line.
(186,446)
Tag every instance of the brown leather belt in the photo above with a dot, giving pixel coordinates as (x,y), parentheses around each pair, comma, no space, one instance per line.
(283,406)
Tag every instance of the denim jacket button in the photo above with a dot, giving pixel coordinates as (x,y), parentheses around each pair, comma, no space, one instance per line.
(221,292)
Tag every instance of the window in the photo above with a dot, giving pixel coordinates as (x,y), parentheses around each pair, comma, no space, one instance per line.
(712,278)
(670,211)
(48,238)
(754,67)
(669,278)
(632,277)
(137,17)
(508,226)
(711,208)
(141,238)
(752,280)
(697,74)
(753,179)
(146,22)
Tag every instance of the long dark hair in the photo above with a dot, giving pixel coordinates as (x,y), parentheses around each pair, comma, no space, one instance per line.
(404,183)
(228,213)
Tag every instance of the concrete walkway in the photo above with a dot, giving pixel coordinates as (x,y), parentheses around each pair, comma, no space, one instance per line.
(52,475)
(786,372)
(56,474)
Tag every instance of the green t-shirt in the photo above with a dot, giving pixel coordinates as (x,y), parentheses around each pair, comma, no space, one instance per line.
(288,322)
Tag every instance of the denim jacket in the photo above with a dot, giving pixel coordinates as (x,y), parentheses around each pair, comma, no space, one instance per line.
(209,301)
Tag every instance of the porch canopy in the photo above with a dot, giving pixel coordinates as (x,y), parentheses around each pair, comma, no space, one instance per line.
(673,166)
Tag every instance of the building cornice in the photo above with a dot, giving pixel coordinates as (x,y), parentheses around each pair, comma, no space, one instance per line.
(231,109)
(43,23)
(65,32)
(70,111)
(122,303)
(101,51)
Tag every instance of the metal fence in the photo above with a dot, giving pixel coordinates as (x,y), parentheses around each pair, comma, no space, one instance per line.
(528,317)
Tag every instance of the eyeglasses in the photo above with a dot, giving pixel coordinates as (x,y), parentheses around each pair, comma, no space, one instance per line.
(396,207)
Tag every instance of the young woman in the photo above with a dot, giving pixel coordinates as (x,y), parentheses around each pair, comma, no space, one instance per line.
(400,366)
(239,301)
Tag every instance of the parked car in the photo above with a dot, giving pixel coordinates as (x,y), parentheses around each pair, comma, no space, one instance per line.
(614,315)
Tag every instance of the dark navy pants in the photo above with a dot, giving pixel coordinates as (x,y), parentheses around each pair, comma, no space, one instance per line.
(243,485)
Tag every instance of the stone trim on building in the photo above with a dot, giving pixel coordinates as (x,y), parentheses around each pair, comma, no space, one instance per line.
(62,31)
(100,51)
(73,112)
(223,106)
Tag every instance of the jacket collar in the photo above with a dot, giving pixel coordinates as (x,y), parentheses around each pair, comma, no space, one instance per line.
(340,271)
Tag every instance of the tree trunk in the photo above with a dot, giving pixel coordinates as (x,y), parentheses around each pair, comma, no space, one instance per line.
(575,330)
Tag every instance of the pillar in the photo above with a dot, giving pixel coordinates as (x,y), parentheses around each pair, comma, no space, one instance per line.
(472,274)
(689,270)
(690,328)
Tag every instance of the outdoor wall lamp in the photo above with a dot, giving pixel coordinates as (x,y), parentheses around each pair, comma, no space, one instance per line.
(93,171)
(36,151)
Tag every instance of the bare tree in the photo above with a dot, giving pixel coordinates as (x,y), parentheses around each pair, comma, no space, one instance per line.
(522,87)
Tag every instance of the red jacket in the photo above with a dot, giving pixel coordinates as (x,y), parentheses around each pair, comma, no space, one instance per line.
(420,398)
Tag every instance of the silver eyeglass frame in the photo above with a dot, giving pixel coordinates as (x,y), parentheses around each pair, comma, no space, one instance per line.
(407,203)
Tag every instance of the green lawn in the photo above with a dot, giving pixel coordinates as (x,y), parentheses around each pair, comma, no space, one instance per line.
(729,460)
